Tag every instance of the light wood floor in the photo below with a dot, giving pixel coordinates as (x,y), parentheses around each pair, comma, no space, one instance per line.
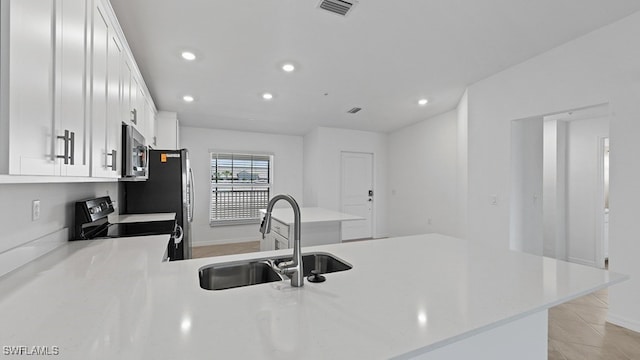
(225,249)
(577,329)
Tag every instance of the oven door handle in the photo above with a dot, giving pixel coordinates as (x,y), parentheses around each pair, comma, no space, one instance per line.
(179,235)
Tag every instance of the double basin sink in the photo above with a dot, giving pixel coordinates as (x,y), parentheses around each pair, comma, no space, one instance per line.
(259,271)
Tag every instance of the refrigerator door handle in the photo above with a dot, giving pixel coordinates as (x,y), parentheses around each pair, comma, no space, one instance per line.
(192,193)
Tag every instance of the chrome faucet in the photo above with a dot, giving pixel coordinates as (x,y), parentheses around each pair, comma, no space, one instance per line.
(293,268)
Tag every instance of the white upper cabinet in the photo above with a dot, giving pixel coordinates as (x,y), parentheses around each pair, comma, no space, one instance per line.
(99,64)
(114,104)
(43,88)
(67,84)
(126,105)
(71,82)
(150,124)
(167,131)
(106,63)
(27,87)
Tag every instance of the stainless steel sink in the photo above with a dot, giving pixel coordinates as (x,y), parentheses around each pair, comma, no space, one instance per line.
(231,275)
(259,271)
(323,262)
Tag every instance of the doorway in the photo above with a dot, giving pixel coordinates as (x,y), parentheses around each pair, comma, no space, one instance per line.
(357,196)
(559,185)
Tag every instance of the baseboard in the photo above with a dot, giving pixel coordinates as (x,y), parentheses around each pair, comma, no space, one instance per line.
(624,322)
(225,241)
(20,255)
(582,261)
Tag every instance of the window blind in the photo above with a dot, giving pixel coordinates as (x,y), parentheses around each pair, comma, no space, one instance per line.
(240,187)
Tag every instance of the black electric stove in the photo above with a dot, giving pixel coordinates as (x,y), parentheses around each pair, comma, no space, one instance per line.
(116,230)
(91,223)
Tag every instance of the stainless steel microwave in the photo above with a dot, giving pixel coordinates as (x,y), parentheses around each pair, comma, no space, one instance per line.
(134,154)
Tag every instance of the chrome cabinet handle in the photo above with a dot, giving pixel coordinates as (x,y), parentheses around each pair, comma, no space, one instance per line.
(65,138)
(72,145)
(114,160)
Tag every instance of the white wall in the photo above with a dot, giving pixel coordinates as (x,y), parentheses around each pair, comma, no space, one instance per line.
(601,67)
(56,208)
(462,173)
(422,177)
(322,158)
(526,230)
(287,176)
(312,157)
(584,202)
(554,189)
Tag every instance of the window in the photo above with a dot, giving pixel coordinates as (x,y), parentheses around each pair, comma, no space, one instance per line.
(240,185)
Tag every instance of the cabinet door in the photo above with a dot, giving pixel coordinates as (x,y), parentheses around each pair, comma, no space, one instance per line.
(70,85)
(141,109)
(114,111)
(31,61)
(151,125)
(99,63)
(134,98)
(126,106)
(166,131)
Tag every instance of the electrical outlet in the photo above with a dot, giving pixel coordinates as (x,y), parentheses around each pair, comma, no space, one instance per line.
(429,221)
(35,210)
(493,199)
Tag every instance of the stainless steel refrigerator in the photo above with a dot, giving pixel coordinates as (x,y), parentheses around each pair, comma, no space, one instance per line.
(169,188)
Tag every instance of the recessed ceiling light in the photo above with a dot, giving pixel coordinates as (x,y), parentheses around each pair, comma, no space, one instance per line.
(423,102)
(267,96)
(288,67)
(188,98)
(187,55)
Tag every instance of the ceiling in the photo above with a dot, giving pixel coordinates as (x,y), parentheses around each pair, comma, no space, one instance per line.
(383,57)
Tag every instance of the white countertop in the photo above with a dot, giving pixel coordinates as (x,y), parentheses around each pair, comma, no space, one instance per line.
(114,299)
(311,215)
(131,218)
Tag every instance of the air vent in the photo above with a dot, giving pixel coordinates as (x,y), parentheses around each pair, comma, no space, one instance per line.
(354,110)
(338,7)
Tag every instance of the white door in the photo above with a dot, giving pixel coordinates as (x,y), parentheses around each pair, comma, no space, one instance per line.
(357,194)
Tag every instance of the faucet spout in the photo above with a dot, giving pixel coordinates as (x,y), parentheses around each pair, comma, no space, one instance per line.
(293,268)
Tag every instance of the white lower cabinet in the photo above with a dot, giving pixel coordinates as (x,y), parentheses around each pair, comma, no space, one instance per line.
(312,234)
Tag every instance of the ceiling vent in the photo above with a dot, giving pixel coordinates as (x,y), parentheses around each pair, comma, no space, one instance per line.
(338,7)
(354,110)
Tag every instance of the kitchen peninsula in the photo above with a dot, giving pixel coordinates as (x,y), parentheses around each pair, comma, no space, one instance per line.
(424,296)
(319,227)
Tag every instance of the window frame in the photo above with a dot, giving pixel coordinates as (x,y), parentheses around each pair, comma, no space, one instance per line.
(213,186)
